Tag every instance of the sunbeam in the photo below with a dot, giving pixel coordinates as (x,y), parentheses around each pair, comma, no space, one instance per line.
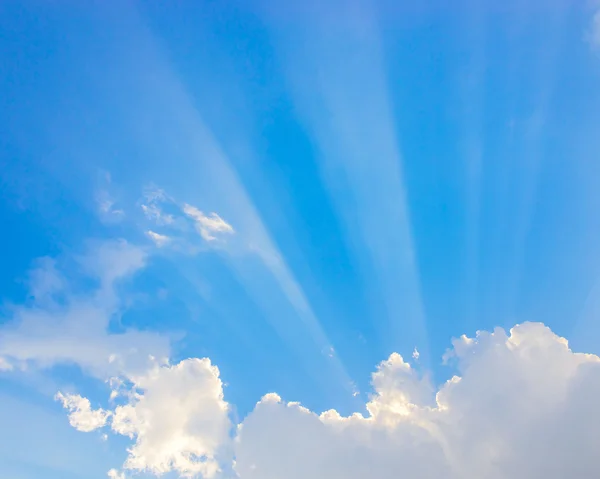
(346,107)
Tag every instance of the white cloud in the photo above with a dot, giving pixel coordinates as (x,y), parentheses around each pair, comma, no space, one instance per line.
(176,416)
(154,213)
(60,326)
(81,415)
(114,474)
(107,209)
(208,226)
(44,279)
(415,354)
(524,407)
(159,240)
(153,197)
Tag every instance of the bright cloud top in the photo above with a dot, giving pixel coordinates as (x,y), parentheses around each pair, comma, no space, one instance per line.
(175,414)
(522,407)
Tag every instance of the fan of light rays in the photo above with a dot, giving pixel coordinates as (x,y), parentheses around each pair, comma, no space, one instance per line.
(333,60)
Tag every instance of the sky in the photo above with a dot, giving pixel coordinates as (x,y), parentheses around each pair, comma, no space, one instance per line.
(280,240)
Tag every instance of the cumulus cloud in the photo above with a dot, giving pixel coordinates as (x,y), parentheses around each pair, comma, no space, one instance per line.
(176,416)
(61,326)
(158,239)
(179,420)
(208,226)
(81,415)
(522,405)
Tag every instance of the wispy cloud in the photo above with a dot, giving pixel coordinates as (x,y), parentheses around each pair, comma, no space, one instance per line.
(158,239)
(107,206)
(210,226)
(62,326)
(151,206)
(108,210)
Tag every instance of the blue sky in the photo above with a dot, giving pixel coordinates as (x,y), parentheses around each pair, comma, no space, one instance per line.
(295,192)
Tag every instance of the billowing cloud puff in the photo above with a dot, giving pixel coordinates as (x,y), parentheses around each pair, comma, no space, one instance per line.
(521,406)
(81,415)
(176,416)
(179,420)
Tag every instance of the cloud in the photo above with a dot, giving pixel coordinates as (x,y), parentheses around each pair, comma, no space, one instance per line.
(114,474)
(416,354)
(153,197)
(209,226)
(159,240)
(176,416)
(60,326)
(154,213)
(107,208)
(44,280)
(5,365)
(523,405)
(81,415)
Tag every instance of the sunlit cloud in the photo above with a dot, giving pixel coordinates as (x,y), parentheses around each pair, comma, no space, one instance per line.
(209,226)
(81,415)
(515,398)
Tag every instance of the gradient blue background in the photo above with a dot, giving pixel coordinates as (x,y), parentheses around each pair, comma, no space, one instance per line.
(488,113)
